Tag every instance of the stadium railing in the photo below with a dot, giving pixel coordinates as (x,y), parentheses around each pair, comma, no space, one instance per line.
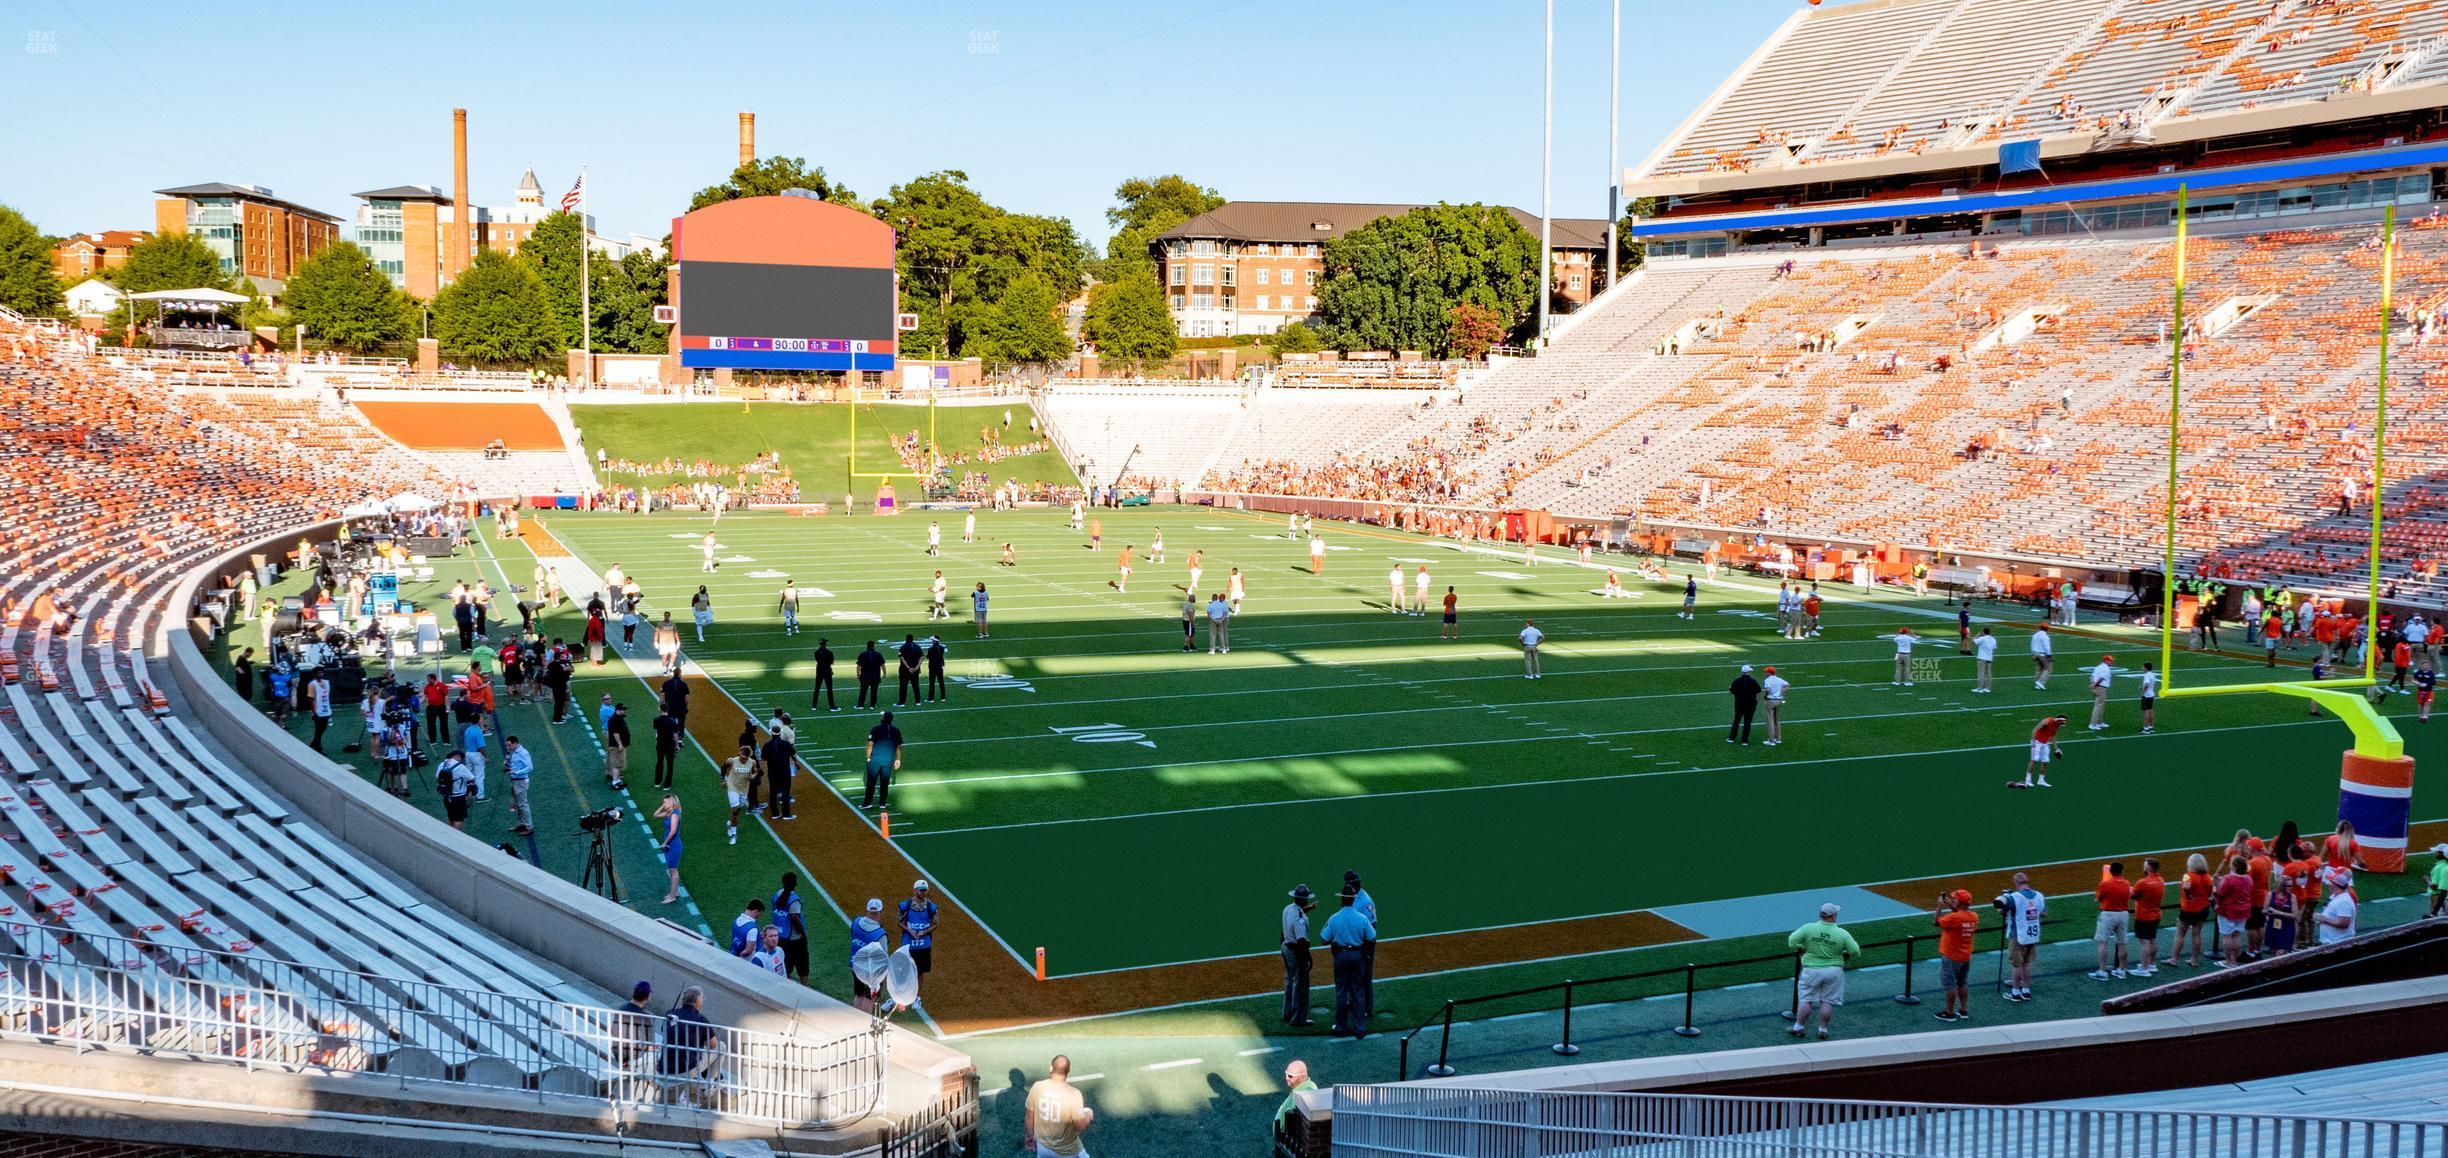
(1690,975)
(1403,1121)
(197,1003)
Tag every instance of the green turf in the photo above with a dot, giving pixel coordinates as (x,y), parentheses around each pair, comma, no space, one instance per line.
(813,439)
(1338,736)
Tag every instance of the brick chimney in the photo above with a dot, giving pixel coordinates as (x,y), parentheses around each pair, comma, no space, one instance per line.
(747,126)
(463,215)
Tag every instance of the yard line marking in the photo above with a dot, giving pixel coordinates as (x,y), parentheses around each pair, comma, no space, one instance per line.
(1172,1065)
(2017,744)
(996,777)
(1260,1051)
(1086,1078)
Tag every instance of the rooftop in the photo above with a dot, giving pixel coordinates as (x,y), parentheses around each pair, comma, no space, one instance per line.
(1303,221)
(405,193)
(255,193)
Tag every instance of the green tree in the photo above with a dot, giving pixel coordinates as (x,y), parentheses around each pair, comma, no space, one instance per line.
(1392,284)
(959,255)
(1296,338)
(1629,252)
(496,312)
(768,177)
(1128,324)
(1144,207)
(342,297)
(28,283)
(177,261)
(1021,329)
(171,261)
(626,293)
(552,250)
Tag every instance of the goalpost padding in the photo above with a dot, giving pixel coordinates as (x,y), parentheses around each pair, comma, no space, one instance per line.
(2376,795)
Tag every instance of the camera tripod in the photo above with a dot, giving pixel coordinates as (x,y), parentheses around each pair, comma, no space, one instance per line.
(599,877)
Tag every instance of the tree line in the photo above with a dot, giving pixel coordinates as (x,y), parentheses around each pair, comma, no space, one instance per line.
(982,280)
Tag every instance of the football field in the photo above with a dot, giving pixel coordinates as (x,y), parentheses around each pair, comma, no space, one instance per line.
(1090,788)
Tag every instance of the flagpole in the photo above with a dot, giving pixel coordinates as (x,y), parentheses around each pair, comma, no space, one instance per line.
(586,288)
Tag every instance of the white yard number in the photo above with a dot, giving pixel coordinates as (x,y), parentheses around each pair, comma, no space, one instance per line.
(996,683)
(1105,734)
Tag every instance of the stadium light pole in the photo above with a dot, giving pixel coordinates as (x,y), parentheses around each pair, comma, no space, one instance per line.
(1547,182)
(1614,137)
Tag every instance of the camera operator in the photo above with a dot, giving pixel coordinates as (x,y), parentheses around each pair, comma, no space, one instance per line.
(2023,908)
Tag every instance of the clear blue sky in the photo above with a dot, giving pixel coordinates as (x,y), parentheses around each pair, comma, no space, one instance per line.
(1046,106)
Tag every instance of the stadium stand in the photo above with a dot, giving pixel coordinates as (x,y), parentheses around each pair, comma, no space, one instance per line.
(158,900)
(505,447)
(1925,76)
(1168,432)
(1843,397)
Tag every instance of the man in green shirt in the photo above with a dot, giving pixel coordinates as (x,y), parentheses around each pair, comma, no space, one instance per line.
(1296,1076)
(1825,948)
(2439,879)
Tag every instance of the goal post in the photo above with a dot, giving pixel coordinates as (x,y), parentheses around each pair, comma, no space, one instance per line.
(933,445)
(2376,778)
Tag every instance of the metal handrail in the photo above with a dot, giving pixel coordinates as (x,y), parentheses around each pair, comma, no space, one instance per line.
(1446,1121)
(246,1007)
(1690,972)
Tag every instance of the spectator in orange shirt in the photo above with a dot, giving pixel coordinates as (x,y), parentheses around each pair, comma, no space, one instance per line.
(2115,896)
(1957,922)
(2192,910)
(2256,866)
(2231,898)
(2303,876)
(2339,848)
(2149,896)
(2401,658)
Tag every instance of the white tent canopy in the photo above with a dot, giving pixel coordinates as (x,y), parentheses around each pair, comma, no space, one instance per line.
(199,294)
(412,501)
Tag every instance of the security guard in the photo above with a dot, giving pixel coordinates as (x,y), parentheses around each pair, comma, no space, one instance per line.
(870,664)
(1297,956)
(1350,934)
(913,659)
(935,657)
(824,679)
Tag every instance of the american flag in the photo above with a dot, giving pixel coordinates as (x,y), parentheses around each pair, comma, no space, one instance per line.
(571,200)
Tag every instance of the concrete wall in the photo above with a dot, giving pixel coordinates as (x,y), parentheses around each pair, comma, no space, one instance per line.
(601,942)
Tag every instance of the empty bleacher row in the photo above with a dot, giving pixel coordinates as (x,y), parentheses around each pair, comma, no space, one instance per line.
(1161,431)
(151,894)
(1867,80)
(2407,1089)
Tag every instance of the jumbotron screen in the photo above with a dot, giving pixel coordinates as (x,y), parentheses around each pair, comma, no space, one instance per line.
(784,283)
(785,303)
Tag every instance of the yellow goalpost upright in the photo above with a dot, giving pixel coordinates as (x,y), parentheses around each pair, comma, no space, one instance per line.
(2375,786)
(855,474)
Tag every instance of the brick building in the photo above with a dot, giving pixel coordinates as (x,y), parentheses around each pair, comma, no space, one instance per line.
(406,229)
(1252,267)
(87,254)
(256,234)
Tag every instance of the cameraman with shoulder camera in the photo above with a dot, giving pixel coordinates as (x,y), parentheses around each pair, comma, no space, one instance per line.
(2023,908)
